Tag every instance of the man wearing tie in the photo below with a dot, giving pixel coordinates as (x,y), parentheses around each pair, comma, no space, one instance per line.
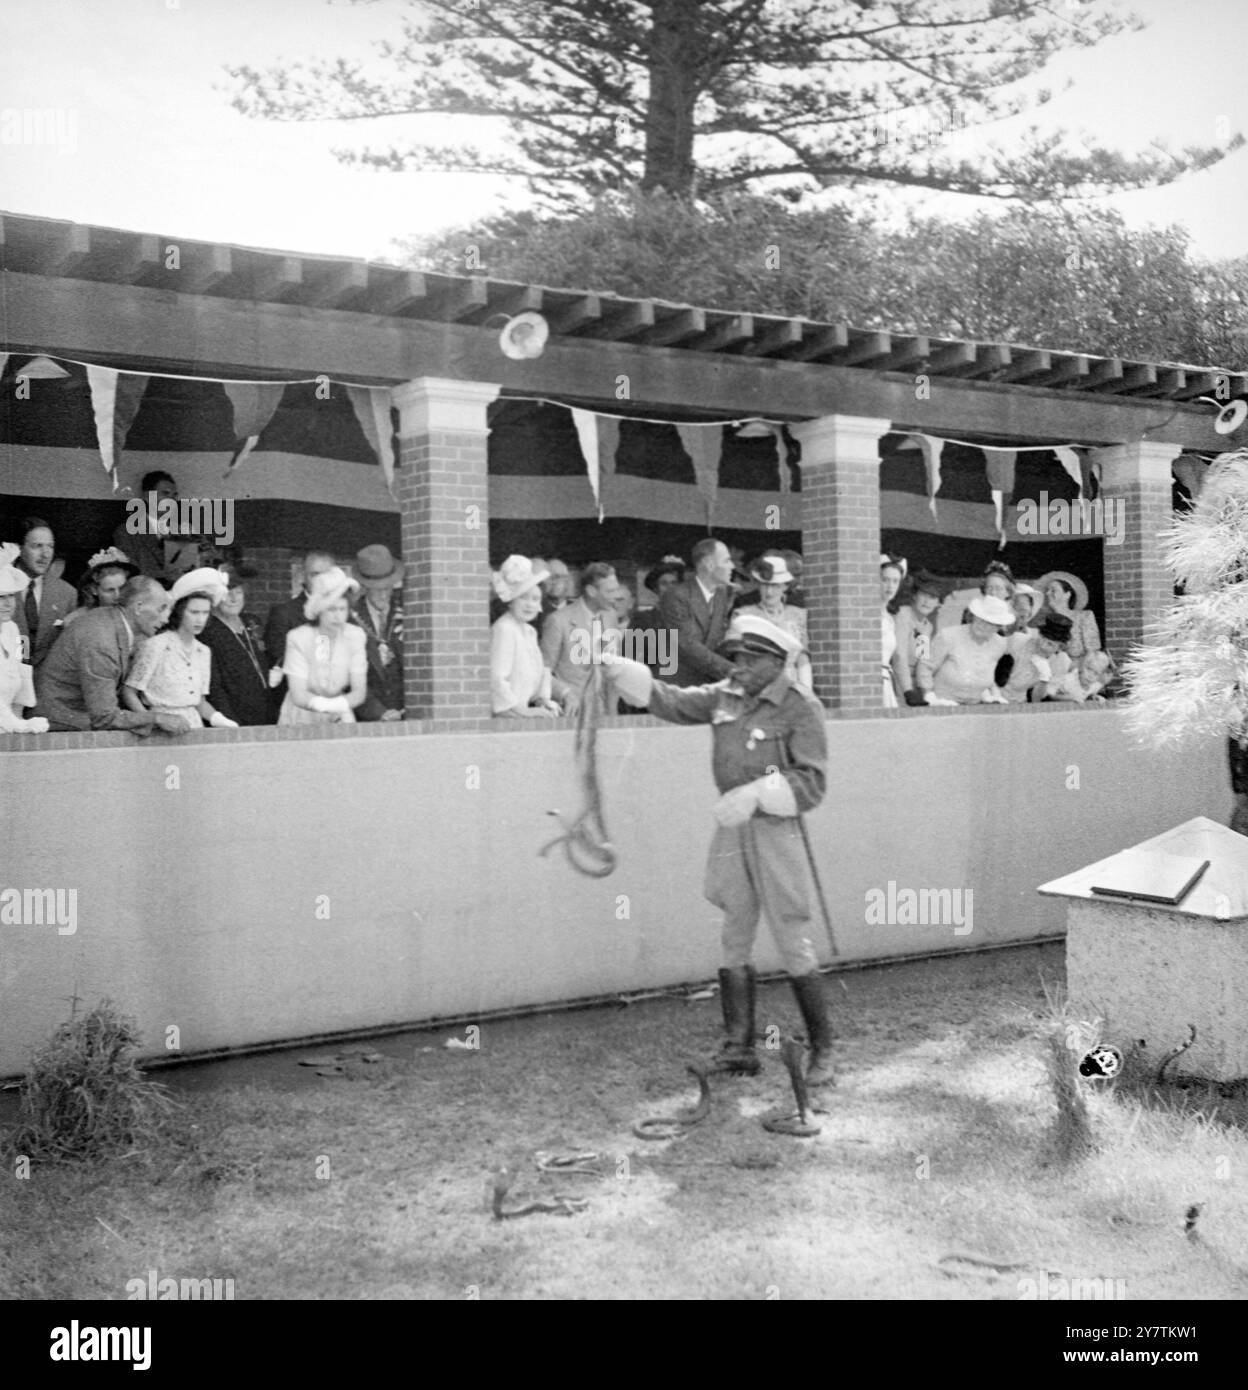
(696,610)
(47,601)
(80,683)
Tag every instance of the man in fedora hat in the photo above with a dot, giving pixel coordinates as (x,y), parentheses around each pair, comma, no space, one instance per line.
(769,759)
(379,612)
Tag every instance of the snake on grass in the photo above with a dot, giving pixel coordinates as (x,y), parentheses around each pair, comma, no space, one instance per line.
(557,1206)
(675,1126)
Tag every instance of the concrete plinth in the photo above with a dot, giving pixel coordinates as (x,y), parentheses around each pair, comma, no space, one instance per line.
(1153,971)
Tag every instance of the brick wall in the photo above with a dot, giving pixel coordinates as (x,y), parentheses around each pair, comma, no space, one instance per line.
(1138,586)
(446,659)
(841,557)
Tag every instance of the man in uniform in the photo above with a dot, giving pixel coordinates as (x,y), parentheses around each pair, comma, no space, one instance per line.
(769,759)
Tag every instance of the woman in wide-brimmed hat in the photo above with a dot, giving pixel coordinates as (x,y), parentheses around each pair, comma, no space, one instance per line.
(1067,594)
(774,579)
(326,661)
(172,672)
(17,690)
(521,684)
(963,665)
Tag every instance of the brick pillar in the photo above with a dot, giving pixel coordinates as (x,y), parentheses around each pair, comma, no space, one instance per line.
(442,486)
(1138,586)
(841,555)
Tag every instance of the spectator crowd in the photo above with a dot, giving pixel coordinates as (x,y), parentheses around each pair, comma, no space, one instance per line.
(154,638)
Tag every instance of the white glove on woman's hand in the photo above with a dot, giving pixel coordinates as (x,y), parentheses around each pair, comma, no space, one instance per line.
(276,677)
(38,725)
(329,704)
(220,721)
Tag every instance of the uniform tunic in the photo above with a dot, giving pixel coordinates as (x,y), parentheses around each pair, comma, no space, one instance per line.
(759,866)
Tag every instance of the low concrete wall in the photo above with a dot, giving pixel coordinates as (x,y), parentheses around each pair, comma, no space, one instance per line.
(258,886)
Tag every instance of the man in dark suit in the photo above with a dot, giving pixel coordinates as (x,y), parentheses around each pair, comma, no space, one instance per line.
(47,601)
(289,613)
(380,613)
(696,610)
(155,544)
(79,684)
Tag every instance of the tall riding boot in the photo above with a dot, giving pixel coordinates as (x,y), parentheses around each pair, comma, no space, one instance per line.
(736,1054)
(814,1006)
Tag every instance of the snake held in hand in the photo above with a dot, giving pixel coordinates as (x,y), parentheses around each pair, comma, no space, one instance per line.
(585,840)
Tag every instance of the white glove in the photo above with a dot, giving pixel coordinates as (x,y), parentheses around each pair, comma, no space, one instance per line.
(37,725)
(992,696)
(775,795)
(276,677)
(219,721)
(737,806)
(629,679)
(329,704)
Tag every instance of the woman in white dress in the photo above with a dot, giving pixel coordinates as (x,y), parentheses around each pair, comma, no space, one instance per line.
(774,579)
(892,572)
(172,672)
(521,684)
(326,661)
(17,691)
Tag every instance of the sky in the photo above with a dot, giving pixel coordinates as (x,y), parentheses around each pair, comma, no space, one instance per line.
(146,138)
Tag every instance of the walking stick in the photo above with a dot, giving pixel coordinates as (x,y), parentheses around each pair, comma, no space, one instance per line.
(814,872)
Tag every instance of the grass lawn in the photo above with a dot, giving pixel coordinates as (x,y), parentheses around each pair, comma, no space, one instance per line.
(376,1184)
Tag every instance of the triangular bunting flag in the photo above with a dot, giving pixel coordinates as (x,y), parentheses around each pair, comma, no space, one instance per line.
(372,409)
(586,423)
(1070,461)
(932,448)
(255,404)
(115,400)
(705,445)
(608,446)
(1000,464)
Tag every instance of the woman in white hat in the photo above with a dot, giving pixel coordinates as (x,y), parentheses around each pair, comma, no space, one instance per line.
(774,579)
(1026,602)
(521,684)
(17,690)
(172,671)
(326,660)
(962,667)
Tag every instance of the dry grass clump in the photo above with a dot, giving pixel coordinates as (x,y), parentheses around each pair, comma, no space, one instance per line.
(83,1096)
